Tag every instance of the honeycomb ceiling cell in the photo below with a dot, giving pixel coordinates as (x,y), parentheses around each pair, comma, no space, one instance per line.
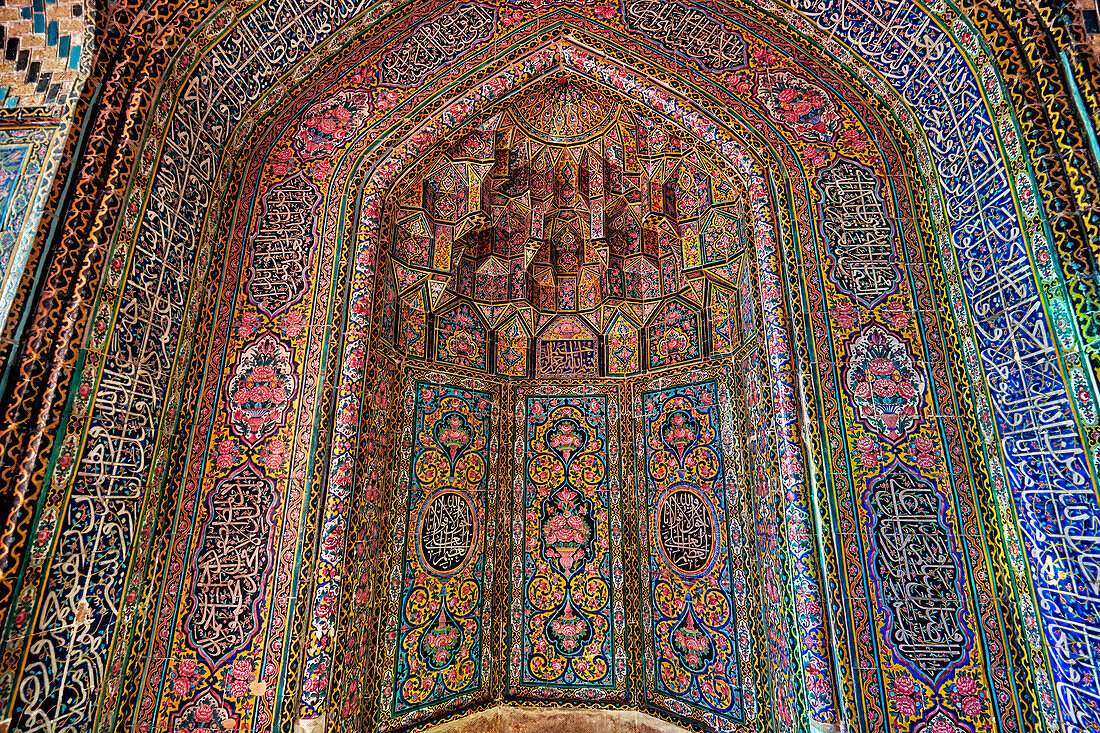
(561,110)
(566,201)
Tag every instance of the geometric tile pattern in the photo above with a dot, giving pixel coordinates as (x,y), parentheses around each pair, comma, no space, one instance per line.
(43,42)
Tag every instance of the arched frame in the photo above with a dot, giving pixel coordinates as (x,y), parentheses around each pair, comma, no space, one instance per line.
(995,477)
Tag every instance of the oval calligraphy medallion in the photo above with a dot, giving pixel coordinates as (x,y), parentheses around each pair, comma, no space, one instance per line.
(448,529)
(686,531)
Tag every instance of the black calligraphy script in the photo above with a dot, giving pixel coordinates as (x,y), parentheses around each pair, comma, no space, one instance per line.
(686,531)
(446,532)
(567,358)
(231,563)
(282,245)
(918,570)
(688,31)
(436,44)
(857,232)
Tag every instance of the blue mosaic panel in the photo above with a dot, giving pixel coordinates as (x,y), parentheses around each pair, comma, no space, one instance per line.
(1046,458)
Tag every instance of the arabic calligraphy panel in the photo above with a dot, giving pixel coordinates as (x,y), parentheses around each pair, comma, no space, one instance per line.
(689,31)
(435,44)
(283,244)
(233,557)
(686,527)
(917,570)
(567,349)
(439,644)
(693,615)
(858,232)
